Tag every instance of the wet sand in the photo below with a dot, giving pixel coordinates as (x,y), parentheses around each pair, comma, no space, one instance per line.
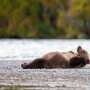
(11,74)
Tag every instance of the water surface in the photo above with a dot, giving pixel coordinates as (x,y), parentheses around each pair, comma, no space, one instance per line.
(28,49)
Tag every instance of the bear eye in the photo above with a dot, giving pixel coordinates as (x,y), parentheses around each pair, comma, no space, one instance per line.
(84,52)
(79,55)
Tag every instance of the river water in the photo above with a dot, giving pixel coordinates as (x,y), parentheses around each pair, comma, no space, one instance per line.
(14,52)
(28,49)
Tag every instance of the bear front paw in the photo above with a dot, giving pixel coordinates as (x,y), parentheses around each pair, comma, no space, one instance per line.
(23,65)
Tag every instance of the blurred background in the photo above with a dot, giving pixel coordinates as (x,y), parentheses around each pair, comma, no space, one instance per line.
(59,19)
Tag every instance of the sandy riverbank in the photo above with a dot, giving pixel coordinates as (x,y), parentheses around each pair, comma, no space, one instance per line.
(11,74)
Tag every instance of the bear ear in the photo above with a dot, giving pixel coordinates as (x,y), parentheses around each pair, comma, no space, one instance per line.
(79,47)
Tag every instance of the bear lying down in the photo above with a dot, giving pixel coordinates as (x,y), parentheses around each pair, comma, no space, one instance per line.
(60,60)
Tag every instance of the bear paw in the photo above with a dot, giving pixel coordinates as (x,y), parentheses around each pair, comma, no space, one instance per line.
(23,65)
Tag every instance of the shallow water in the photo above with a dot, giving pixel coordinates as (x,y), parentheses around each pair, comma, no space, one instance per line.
(28,49)
(15,52)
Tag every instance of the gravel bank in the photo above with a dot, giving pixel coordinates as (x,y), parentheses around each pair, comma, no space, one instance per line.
(11,73)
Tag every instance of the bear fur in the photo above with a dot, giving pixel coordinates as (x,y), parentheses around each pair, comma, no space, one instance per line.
(60,60)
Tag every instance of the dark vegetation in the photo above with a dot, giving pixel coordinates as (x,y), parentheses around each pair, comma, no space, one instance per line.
(45,19)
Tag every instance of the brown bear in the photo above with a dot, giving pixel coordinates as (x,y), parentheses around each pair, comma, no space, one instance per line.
(60,60)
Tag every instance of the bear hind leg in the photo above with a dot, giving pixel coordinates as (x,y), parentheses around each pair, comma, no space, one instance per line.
(36,64)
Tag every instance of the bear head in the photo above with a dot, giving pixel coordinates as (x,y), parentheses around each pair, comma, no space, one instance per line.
(83,53)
